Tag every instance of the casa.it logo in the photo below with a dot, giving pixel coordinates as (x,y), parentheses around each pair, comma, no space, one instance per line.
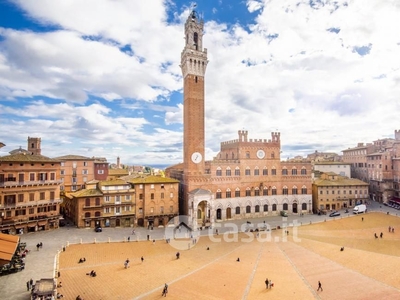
(179,233)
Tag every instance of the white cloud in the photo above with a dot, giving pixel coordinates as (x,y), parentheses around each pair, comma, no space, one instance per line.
(292,69)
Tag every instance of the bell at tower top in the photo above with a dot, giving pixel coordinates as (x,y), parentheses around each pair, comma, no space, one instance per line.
(193,57)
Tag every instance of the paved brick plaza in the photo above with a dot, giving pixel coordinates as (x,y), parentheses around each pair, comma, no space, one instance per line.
(366,269)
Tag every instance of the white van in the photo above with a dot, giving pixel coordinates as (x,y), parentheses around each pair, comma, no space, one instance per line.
(359,209)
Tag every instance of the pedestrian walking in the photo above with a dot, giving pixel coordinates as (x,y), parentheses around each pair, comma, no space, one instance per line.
(142,259)
(390,229)
(165,290)
(37,246)
(31,282)
(319,286)
(266,283)
(129,238)
(28,287)
(126,264)
(381,235)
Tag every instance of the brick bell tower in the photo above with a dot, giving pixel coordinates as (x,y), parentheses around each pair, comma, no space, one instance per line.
(193,65)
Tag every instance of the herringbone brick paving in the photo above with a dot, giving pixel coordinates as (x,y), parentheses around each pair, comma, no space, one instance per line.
(366,269)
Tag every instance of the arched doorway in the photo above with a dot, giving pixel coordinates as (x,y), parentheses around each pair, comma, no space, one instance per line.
(294,208)
(228,213)
(203,212)
(219,214)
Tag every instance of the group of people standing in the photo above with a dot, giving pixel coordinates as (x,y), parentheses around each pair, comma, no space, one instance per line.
(268,283)
(39,245)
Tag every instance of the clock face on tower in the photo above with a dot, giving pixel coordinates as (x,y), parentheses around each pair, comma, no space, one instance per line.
(197,157)
(260,154)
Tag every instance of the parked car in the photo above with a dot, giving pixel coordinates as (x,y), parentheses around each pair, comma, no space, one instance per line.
(334,214)
(98,229)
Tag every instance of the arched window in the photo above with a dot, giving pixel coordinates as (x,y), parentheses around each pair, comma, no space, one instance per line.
(265,191)
(228,193)
(248,209)
(284,171)
(237,171)
(304,190)
(87,202)
(304,206)
(196,40)
(247,154)
(273,171)
(256,171)
(87,215)
(218,194)
(294,171)
(274,207)
(97,201)
(303,171)
(247,172)
(294,190)
(248,192)
(257,208)
(273,190)
(237,210)
(285,206)
(237,192)
(228,171)
(265,207)
(219,172)
(285,190)
(265,171)
(256,191)
(97,214)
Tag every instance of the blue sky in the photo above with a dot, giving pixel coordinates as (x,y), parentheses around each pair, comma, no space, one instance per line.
(102,77)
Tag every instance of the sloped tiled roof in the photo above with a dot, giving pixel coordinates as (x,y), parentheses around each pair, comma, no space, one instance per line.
(117,171)
(87,193)
(152,179)
(340,181)
(117,181)
(73,157)
(23,157)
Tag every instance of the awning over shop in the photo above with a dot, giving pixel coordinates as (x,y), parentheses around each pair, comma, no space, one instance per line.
(395,199)
(19,226)
(8,246)
(32,224)
(42,223)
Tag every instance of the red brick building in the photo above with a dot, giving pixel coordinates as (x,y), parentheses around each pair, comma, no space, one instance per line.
(29,190)
(246,178)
